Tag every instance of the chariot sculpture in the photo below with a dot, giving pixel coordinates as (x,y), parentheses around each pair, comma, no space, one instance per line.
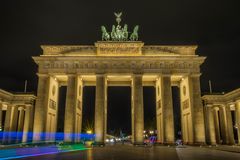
(119,33)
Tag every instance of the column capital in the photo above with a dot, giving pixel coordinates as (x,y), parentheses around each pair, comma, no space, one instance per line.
(28,105)
(72,75)
(100,74)
(209,105)
(230,106)
(165,75)
(10,104)
(42,75)
(216,108)
(230,103)
(195,75)
(20,108)
(137,75)
(222,105)
(137,72)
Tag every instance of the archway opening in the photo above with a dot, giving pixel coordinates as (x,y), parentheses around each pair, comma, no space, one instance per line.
(149,102)
(119,111)
(88,110)
(61,112)
(176,112)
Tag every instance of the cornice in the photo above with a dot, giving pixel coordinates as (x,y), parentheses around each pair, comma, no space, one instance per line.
(229,97)
(19,98)
(82,50)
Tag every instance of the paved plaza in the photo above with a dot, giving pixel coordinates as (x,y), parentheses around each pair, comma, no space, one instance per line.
(128,152)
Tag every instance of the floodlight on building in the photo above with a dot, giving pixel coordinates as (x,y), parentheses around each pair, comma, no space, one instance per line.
(89,131)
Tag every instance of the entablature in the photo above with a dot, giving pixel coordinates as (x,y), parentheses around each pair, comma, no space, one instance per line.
(120,64)
(227,98)
(113,48)
(16,99)
(66,68)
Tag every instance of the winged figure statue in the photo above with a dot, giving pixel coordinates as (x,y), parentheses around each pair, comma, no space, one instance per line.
(118,17)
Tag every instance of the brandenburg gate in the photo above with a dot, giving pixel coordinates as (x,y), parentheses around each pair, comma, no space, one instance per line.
(119,63)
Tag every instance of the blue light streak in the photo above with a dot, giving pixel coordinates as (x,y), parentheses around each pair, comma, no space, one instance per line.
(18,149)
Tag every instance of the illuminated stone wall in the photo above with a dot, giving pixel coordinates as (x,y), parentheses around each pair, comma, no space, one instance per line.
(121,64)
(221,127)
(18,122)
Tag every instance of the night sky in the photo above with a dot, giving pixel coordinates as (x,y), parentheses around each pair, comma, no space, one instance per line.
(212,24)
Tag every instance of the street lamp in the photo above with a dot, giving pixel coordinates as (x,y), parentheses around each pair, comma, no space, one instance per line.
(89,131)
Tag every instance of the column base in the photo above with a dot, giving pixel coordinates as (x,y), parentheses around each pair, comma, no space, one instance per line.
(196,144)
(98,144)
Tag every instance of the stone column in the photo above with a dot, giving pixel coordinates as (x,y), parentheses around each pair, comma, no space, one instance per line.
(1,106)
(105,109)
(138,112)
(167,110)
(216,124)
(11,119)
(20,119)
(186,110)
(10,126)
(211,138)
(70,110)
(28,124)
(223,125)
(237,112)
(20,124)
(100,109)
(7,118)
(78,124)
(197,110)
(40,114)
(6,133)
(159,120)
(229,125)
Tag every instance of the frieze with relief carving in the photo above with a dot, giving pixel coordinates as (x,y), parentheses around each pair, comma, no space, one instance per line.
(146,66)
(119,48)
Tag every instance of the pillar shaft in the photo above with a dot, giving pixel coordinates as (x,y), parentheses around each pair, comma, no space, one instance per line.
(167,110)
(78,126)
(7,119)
(216,124)
(229,125)
(223,125)
(237,112)
(20,124)
(28,124)
(138,112)
(20,120)
(10,126)
(70,109)
(211,137)
(40,114)
(197,110)
(100,109)
(159,120)
(11,119)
